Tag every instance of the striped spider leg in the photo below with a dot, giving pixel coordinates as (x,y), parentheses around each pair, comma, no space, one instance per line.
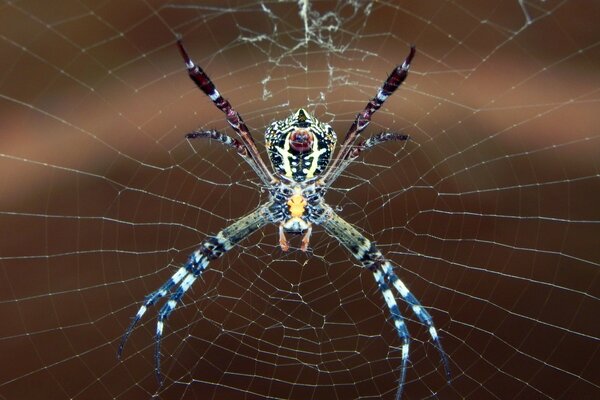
(234,119)
(360,247)
(393,82)
(371,258)
(178,284)
(374,141)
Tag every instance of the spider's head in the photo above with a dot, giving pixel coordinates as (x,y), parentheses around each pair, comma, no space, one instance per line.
(300,146)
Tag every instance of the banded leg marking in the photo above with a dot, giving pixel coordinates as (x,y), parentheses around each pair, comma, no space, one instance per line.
(393,82)
(211,249)
(371,258)
(419,311)
(373,141)
(398,322)
(223,138)
(204,83)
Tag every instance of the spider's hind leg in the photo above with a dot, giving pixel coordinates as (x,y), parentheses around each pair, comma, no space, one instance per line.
(221,137)
(204,83)
(393,82)
(373,141)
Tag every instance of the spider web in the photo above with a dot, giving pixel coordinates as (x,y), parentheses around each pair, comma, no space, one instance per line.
(489,213)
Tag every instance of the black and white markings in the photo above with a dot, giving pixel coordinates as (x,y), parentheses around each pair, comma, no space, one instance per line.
(363,118)
(299,163)
(371,258)
(204,83)
(221,137)
(211,248)
(300,149)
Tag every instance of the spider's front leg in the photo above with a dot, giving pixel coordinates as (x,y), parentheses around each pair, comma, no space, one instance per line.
(211,248)
(372,259)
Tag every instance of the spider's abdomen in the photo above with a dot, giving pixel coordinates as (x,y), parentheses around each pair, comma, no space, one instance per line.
(300,146)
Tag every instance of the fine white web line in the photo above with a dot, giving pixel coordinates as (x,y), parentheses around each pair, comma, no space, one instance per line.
(489,212)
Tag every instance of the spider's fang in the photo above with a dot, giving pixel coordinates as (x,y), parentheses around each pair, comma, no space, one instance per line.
(283,242)
(306,239)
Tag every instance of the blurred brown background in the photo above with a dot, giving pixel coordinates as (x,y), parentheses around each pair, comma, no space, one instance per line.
(490,212)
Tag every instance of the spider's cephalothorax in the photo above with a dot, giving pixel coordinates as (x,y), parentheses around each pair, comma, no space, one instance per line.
(300,146)
(300,149)
(295,206)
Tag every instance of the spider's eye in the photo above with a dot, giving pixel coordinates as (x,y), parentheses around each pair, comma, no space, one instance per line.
(301,141)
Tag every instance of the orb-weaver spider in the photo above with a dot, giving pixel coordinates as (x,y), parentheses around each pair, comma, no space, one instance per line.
(300,148)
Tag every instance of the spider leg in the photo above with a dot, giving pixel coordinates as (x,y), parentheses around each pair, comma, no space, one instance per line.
(223,138)
(398,321)
(151,299)
(211,248)
(372,259)
(374,140)
(205,84)
(419,311)
(393,82)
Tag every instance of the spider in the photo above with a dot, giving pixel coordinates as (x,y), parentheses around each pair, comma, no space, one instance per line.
(300,149)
